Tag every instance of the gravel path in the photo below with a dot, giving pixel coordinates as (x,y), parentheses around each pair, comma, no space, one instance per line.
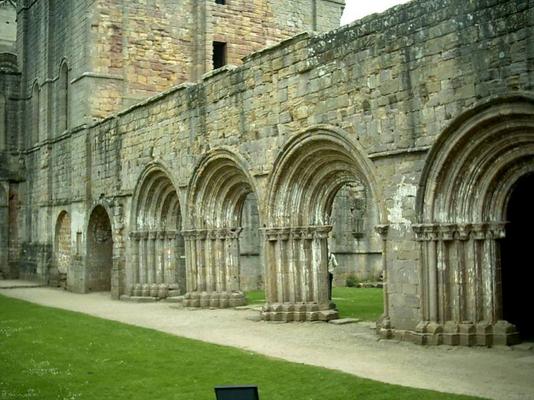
(497,373)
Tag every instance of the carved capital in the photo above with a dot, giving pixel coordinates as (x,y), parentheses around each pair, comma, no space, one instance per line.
(135,235)
(383,230)
(270,234)
(426,232)
(497,230)
(480,231)
(171,235)
(447,231)
(463,231)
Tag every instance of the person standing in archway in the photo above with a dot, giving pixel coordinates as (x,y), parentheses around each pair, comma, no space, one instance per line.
(332,264)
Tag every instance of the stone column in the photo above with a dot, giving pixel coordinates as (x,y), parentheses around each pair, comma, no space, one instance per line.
(143,258)
(134,262)
(190,261)
(160,257)
(269,250)
(217,268)
(384,324)
(220,254)
(210,273)
(298,259)
(320,265)
(232,260)
(170,257)
(151,257)
(459,284)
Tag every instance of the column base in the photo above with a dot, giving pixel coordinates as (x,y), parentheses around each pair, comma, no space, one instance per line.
(455,334)
(289,312)
(156,291)
(214,299)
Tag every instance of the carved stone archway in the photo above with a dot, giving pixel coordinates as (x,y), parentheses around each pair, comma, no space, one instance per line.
(217,193)
(310,170)
(157,265)
(62,250)
(461,206)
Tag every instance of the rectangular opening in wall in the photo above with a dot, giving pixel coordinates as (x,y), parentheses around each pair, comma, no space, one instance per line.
(219,54)
(220,1)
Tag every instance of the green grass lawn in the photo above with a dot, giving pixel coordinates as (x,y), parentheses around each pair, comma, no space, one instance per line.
(366,304)
(48,353)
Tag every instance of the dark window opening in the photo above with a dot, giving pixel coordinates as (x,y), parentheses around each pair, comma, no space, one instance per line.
(220,1)
(219,54)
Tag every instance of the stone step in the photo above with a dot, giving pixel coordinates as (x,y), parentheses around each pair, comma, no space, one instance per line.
(138,299)
(343,321)
(174,299)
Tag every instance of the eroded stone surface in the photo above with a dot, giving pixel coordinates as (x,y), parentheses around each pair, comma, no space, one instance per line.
(421,118)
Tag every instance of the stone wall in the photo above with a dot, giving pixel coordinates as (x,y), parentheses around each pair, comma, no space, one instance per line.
(368,102)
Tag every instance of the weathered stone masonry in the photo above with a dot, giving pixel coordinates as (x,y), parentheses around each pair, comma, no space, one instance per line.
(428,107)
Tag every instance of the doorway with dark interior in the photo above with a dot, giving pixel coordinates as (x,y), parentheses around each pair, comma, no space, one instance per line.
(517,263)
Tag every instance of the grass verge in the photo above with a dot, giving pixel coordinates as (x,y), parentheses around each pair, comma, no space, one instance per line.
(48,353)
(366,304)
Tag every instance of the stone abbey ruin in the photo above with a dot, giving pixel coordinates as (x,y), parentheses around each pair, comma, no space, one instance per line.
(203,148)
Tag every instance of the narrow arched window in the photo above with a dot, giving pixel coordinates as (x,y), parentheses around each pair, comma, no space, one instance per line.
(63,99)
(35,115)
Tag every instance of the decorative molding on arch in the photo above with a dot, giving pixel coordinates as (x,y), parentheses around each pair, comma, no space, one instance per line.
(154,172)
(343,160)
(156,267)
(474,160)
(308,172)
(217,192)
(463,192)
(220,182)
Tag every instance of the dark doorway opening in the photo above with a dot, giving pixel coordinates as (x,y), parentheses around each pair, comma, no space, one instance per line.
(100,251)
(517,264)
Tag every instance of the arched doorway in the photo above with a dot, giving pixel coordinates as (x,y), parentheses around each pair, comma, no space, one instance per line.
(517,267)
(62,251)
(310,171)
(476,176)
(217,195)
(157,248)
(99,251)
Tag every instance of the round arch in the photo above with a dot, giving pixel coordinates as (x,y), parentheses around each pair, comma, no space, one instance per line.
(62,248)
(308,173)
(217,189)
(99,252)
(461,205)
(217,193)
(310,169)
(157,265)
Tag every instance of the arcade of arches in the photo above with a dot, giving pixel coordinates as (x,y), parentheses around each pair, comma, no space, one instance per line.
(476,180)
(473,210)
